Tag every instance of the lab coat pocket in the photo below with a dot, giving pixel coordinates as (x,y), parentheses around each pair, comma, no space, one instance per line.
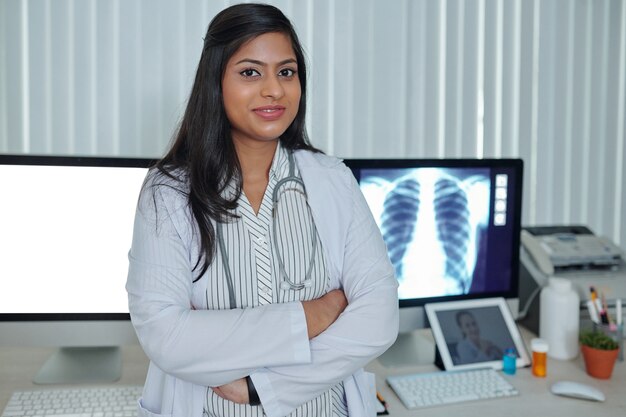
(144,412)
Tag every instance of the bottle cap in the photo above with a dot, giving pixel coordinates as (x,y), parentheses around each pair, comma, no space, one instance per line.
(560,284)
(539,345)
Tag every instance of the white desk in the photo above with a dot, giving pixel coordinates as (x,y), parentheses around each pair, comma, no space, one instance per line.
(19,365)
(534,398)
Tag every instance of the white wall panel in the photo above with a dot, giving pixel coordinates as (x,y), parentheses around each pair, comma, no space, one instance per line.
(548,170)
(543,80)
(492,85)
(597,141)
(343,72)
(40,85)
(3,85)
(16,139)
(619,224)
(321,44)
(416,77)
(361,78)
(511,85)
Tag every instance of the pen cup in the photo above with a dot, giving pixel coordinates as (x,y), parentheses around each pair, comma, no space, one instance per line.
(539,348)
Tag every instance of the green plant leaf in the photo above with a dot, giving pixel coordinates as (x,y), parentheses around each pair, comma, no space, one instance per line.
(597,340)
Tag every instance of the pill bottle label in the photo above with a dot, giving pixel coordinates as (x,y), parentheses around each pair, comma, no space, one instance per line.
(540,364)
(539,347)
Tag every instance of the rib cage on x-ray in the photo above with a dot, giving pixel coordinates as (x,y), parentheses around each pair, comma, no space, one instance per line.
(453,227)
(398,220)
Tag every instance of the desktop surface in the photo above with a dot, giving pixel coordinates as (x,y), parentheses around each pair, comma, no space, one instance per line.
(534,393)
(18,365)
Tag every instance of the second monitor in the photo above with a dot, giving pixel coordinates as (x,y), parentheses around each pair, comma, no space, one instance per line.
(452,229)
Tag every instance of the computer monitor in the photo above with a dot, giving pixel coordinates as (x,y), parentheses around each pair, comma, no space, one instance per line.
(65,230)
(452,229)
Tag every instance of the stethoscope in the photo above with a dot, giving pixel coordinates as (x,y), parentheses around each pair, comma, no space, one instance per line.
(286,283)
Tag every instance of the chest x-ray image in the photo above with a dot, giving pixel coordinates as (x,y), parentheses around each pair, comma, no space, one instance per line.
(434,222)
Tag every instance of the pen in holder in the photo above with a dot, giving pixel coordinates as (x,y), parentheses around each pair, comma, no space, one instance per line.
(602,322)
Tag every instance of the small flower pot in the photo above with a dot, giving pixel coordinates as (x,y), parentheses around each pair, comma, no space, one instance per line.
(599,363)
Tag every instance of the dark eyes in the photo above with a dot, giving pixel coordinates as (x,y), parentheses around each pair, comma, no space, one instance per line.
(250,72)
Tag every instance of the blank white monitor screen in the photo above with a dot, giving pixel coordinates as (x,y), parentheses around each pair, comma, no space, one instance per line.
(65,235)
(65,238)
(66,227)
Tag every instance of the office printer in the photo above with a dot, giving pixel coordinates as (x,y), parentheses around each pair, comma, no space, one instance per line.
(571,252)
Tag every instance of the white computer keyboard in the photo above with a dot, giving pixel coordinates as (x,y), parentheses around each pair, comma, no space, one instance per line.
(117,401)
(448,387)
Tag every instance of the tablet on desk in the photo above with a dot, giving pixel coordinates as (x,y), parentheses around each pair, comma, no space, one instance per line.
(475,333)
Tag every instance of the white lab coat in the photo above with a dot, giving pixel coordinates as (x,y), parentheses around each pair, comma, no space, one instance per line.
(192,349)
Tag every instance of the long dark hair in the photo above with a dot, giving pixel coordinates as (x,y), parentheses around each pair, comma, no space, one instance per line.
(202,151)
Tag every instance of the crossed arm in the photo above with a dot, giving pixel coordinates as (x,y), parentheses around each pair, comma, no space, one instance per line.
(319,313)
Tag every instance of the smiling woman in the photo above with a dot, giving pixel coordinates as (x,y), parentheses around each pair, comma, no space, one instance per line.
(261,88)
(261,98)
(259,283)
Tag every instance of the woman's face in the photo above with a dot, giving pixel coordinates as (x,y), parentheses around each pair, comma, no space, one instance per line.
(469,327)
(261,88)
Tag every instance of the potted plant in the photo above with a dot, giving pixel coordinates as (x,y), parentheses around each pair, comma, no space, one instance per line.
(599,353)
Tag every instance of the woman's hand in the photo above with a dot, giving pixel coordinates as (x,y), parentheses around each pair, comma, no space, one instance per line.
(323,312)
(236,391)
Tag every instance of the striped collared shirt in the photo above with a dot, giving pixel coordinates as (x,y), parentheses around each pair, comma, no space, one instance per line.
(254,252)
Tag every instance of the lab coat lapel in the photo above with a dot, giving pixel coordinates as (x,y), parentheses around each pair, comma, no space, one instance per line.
(328,195)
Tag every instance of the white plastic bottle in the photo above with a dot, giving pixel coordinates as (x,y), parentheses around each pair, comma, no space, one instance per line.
(559,318)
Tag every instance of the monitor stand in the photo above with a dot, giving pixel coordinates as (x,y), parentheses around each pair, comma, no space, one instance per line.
(75,365)
(410,349)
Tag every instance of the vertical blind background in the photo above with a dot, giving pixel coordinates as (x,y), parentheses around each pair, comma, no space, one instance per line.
(542,80)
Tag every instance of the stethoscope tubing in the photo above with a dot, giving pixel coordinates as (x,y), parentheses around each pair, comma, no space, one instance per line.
(229,278)
(286,283)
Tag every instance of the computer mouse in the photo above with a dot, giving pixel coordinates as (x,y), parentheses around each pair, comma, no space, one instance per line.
(577,390)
